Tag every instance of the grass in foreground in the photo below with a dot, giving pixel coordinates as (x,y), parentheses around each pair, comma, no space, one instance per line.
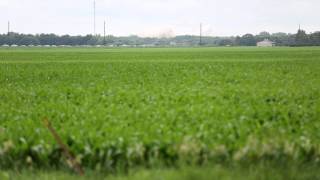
(252,172)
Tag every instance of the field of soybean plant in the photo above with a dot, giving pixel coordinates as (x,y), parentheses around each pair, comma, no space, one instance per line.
(159,108)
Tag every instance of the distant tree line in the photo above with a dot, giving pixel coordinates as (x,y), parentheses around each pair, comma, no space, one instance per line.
(301,38)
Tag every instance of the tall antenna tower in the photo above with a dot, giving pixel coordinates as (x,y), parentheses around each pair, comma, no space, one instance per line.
(8,28)
(200,42)
(94,17)
(104,33)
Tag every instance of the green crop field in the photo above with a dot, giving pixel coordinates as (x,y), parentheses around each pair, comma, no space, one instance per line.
(154,108)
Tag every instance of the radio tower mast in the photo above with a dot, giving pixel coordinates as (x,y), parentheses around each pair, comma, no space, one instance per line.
(104,33)
(200,43)
(8,28)
(94,17)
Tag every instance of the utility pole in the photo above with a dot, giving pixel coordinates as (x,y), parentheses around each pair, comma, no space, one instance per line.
(8,28)
(94,17)
(104,33)
(200,43)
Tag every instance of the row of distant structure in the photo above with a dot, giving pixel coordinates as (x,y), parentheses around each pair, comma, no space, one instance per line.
(264,43)
(104,26)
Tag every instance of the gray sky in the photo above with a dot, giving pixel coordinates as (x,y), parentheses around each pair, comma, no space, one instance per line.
(158,17)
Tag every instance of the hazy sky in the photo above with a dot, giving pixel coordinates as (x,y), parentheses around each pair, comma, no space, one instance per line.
(154,17)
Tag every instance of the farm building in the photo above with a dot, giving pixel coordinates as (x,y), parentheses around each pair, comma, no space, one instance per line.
(265,43)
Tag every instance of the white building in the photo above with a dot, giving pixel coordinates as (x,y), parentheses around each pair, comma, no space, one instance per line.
(265,43)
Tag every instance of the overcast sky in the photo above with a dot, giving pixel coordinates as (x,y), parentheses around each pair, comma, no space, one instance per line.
(156,17)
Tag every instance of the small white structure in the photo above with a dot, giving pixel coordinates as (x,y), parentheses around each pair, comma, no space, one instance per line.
(172,43)
(265,43)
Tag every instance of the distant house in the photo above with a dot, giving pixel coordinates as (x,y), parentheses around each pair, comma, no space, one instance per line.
(265,43)
(172,43)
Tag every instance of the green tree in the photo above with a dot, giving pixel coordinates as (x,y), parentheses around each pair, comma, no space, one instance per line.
(315,38)
(28,40)
(262,36)
(302,38)
(248,40)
